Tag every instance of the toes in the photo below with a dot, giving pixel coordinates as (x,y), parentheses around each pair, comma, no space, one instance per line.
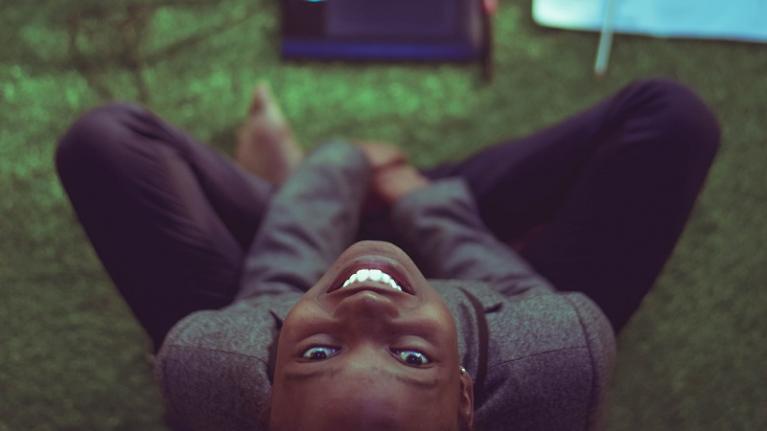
(261,99)
(265,106)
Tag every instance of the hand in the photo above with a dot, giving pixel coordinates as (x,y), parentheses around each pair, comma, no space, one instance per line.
(394,182)
(381,155)
(393,177)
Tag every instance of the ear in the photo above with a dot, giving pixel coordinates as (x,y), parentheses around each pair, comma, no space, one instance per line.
(466,402)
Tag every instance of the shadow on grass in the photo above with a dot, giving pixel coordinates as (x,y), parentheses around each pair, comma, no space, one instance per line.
(104,36)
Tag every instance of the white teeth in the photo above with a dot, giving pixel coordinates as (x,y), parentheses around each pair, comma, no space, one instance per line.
(351,280)
(363,274)
(373,275)
(376,274)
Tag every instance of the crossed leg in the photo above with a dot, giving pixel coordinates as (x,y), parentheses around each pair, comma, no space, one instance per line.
(169,218)
(597,202)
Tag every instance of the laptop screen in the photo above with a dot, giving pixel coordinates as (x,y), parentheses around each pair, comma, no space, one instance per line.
(392,18)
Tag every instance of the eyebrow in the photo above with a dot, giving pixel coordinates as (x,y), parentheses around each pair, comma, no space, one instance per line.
(423,328)
(301,376)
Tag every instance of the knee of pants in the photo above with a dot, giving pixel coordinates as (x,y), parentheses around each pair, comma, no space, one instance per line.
(98,136)
(681,117)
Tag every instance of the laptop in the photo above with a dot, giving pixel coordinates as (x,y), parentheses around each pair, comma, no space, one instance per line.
(385,30)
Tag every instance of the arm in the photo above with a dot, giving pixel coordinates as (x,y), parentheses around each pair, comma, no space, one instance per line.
(311,220)
(441,226)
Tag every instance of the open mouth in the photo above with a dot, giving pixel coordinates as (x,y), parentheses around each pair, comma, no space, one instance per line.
(374,272)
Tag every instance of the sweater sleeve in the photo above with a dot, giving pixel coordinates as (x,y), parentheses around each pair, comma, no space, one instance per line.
(312,218)
(600,340)
(441,226)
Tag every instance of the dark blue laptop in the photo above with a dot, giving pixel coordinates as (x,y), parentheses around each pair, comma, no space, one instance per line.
(383,30)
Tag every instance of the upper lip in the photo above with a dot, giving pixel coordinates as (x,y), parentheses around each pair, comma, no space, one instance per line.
(386,265)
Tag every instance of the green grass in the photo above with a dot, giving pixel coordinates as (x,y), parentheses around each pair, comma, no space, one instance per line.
(72,357)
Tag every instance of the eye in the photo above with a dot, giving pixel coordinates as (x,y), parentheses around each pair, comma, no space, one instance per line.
(319,353)
(412,357)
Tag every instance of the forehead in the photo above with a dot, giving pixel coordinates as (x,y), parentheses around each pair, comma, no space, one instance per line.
(364,378)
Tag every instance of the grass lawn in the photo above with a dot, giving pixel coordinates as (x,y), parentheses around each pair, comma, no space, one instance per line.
(73,358)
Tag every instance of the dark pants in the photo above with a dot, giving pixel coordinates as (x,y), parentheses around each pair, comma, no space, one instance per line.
(595,203)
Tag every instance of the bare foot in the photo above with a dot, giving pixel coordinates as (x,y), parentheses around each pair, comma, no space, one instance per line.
(265,143)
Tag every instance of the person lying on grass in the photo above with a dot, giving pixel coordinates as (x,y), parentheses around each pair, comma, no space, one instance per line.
(350,290)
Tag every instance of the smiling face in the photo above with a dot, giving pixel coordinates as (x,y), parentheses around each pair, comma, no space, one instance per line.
(364,354)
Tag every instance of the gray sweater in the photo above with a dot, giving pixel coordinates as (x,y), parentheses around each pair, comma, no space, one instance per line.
(540,359)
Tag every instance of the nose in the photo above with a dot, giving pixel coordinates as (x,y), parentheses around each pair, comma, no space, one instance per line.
(368,307)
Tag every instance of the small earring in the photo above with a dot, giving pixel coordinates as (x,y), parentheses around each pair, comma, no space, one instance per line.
(463,370)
